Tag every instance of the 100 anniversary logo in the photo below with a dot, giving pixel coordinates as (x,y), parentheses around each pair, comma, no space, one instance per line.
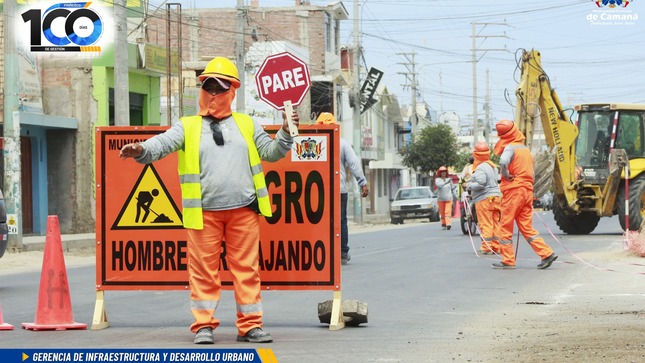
(66,27)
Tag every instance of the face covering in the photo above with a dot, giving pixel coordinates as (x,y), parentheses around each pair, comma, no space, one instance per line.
(218,106)
(513,136)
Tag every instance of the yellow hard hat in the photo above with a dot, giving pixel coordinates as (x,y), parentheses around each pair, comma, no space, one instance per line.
(221,67)
(326,118)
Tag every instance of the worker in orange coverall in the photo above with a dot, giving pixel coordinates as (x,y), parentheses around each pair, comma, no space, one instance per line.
(516,164)
(224,194)
(485,193)
(444,185)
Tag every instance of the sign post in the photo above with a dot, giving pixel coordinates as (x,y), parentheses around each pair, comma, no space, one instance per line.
(283,81)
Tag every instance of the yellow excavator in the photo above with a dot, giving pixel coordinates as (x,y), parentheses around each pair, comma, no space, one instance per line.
(590,157)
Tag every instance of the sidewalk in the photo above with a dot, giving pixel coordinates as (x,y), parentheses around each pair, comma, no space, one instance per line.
(69,242)
(88,240)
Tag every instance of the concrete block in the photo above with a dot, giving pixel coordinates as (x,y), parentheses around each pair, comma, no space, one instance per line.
(354,312)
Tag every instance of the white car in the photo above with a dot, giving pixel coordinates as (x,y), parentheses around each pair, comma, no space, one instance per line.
(414,202)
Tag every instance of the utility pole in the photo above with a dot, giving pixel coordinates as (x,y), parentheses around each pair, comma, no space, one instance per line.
(240,57)
(440,93)
(474,50)
(121,87)
(411,74)
(474,61)
(169,64)
(11,127)
(356,116)
(487,110)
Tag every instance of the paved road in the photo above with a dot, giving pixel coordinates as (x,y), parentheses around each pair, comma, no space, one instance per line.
(430,300)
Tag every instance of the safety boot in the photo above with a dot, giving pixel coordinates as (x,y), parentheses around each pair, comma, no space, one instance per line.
(204,336)
(255,335)
(547,261)
(503,266)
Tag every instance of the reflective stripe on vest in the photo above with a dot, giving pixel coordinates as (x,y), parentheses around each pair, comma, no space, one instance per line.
(189,170)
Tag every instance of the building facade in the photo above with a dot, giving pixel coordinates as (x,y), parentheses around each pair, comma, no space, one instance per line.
(77,95)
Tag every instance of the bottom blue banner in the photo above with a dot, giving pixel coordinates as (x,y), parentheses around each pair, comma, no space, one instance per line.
(137,355)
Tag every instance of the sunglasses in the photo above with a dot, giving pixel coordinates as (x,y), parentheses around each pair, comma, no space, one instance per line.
(217,134)
(214,86)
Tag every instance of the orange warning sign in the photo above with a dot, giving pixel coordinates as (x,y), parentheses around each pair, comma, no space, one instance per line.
(141,241)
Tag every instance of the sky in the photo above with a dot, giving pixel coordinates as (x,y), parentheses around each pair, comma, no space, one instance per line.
(587,60)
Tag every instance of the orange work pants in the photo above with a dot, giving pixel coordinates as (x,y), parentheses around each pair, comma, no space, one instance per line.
(488,217)
(445,211)
(240,228)
(517,207)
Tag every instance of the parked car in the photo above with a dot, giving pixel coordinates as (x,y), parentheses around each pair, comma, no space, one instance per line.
(412,203)
(3,226)
(544,201)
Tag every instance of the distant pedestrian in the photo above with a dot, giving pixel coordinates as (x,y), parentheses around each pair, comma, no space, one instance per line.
(348,160)
(445,195)
(485,193)
(516,164)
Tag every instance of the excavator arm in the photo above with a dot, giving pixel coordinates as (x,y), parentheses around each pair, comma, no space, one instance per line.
(538,106)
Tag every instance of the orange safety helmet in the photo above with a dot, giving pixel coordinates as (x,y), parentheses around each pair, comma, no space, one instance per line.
(503,127)
(482,147)
(326,118)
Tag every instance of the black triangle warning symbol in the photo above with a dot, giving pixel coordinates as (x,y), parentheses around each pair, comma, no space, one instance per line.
(149,205)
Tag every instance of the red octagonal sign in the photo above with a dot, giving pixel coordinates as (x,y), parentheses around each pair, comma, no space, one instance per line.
(282,77)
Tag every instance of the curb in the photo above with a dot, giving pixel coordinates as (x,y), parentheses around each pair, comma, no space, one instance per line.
(68,241)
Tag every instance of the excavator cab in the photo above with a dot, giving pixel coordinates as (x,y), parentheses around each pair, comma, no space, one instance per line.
(593,145)
(603,128)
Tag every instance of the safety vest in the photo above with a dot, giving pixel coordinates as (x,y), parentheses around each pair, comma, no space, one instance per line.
(189,171)
(521,168)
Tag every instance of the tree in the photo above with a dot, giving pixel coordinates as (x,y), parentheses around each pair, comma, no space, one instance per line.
(431,148)
(462,159)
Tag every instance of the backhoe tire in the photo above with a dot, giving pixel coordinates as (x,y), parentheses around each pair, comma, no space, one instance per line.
(583,223)
(636,203)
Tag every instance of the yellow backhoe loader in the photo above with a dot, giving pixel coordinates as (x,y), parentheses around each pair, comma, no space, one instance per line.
(590,156)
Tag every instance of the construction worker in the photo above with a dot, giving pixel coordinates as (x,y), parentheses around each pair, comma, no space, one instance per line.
(516,164)
(348,160)
(467,172)
(485,193)
(445,194)
(223,195)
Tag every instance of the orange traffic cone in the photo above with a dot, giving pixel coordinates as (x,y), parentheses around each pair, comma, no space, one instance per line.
(54,310)
(3,325)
